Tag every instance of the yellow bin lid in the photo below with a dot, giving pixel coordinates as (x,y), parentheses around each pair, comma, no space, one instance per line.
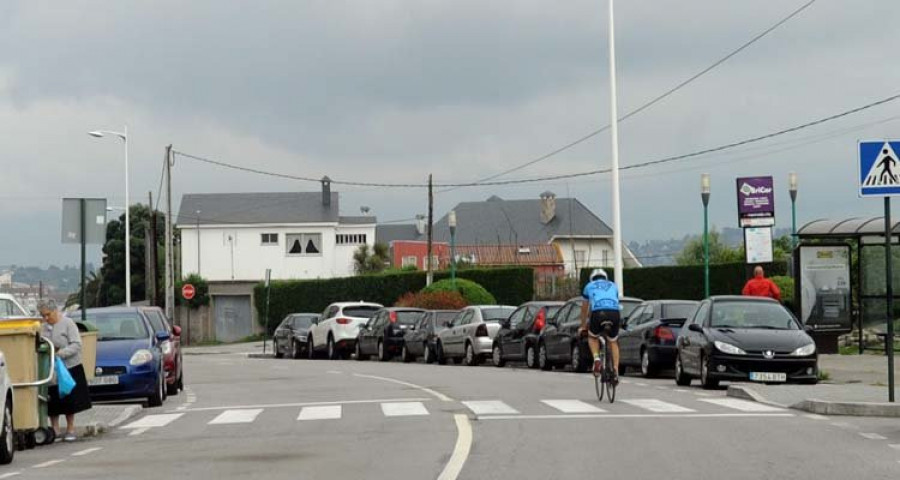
(20,325)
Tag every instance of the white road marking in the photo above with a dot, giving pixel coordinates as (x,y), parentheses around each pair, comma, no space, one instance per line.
(138,431)
(816,416)
(680,390)
(403,409)
(702,394)
(640,384)
(572,406)
(305,404)
(87,452)
(48,464)
(159,420)
(460,451)
(625,380)
(236,416)
(873,436)
(440,396)
(657,406)
(636,415)
(742,405)
(334,372)
(10,474)
(324,412)
(841,425)
(895,446)
(489,407)
(660,387)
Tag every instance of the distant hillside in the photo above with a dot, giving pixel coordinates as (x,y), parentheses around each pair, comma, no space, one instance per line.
(63,280)
(663,252)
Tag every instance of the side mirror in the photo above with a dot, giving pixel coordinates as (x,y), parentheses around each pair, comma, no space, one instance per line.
(176,330)
(809,329)
(505,323)
(162,336)
(315,321)
(695,328)
(448,324)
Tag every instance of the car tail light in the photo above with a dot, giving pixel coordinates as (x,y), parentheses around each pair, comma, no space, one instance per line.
(393,317)
(540,321)
(664,333)
(481,331)
(342,321)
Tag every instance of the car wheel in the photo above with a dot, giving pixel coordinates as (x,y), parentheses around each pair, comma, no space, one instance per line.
(706,382)
(648,370)
(429,354)
(383,355)
(578,363)
(497,356)
(159,395)
(439,353)
(333,354)
(472,359)
(404,354)
(543,361)
(8,444)
(180,381)
(531,360)
(295,349)
(278,353)
(359,354)
(682,379)
(310,349)
(172,390)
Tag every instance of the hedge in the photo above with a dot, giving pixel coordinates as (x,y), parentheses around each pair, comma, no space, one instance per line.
(510,286)
(686,282)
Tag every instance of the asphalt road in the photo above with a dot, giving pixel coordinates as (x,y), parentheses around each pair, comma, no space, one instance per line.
(300,419)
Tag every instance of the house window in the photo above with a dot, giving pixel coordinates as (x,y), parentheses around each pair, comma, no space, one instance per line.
(305,244)
(580,257)
(269,239)
(410,261)
(350,239)
(606,258)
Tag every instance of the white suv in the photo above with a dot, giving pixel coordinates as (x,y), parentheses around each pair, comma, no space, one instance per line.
(336,332)
(7,433)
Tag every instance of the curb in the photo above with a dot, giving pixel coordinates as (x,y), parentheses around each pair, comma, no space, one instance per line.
(94,429)
(260,355)
(821,407)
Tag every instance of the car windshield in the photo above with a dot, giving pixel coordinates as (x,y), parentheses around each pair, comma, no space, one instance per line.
(361,311)
(628,306)
(441,319)
(118,325)
(679,310)
(409,318)
(762,315)
(10,309)
(496,314)
(303,322)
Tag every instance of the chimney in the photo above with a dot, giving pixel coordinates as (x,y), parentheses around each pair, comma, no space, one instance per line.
(548,207)
(326,191)
(420,224)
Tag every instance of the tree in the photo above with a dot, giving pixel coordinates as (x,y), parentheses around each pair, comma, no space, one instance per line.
(719,252)
(373,260)
(112,273)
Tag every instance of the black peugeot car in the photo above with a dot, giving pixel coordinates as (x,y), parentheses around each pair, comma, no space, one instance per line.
(383,334)
(421,340)
(517,338)
(744,338)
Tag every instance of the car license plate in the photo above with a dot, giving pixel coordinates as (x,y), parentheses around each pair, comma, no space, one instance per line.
(104,380)
(768,377)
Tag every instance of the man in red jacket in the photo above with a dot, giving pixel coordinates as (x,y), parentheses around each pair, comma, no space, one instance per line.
(760,286)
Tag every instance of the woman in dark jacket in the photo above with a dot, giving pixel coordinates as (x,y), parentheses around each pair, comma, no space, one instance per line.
(63,332)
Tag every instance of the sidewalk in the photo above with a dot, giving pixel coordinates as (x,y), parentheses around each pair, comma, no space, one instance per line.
(227,349)
(857,385)
(102,418)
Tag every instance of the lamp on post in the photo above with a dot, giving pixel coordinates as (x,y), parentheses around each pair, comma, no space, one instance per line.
(124,136)
(792,185)
(704,195)
(451,221)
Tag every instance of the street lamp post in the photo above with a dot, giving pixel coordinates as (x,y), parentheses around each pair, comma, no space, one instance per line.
(704,195)
(451,220)
(614,133)
(198,242)
(124,136)
(792,182)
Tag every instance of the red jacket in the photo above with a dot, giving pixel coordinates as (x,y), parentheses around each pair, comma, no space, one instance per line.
(762,287)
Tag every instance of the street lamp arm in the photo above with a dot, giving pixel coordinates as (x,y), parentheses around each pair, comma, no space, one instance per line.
(102,133)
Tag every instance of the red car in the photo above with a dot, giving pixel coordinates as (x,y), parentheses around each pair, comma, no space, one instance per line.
(171,349)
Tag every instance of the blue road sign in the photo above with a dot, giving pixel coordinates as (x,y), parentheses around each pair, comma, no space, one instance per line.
(879,168)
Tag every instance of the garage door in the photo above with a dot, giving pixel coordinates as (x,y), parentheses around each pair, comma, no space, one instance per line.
(233,318)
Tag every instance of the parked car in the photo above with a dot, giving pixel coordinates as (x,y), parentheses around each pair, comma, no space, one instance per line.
(290,336)
(628,305)
(517,338)
(422,340)
(335,334)
(383,334)
(10,307)
(129,356)
(171,348)
(8,433)
(470,335)
(560,344)
(647,339)
(744,338)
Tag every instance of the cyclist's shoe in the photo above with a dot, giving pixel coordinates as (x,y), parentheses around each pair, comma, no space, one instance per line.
(598,367)
(615,378)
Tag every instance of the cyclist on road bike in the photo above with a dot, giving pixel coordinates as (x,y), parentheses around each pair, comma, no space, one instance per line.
(602,301)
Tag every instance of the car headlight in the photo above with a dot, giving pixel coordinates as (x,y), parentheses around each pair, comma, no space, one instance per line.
(141,357)
(728,348)
(804,351)
(166,347)
(302,339)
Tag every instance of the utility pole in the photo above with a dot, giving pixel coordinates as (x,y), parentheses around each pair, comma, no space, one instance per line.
(429,277)
(170,252)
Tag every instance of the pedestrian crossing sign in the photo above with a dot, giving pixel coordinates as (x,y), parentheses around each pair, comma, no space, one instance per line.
(879,168)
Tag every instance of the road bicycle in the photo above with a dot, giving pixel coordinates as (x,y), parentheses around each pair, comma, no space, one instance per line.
(605,381)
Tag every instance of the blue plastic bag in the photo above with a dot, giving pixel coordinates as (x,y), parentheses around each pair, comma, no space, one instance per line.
(63,378)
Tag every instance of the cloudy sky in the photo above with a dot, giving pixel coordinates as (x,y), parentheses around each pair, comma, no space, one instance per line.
(391,90)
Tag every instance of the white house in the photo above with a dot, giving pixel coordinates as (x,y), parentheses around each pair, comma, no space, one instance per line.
(230,239)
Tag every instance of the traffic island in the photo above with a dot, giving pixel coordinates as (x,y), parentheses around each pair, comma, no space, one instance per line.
(823,399)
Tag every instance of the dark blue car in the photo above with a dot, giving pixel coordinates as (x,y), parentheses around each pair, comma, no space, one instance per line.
(129,358)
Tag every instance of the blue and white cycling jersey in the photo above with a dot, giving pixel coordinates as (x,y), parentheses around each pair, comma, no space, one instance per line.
(602,295)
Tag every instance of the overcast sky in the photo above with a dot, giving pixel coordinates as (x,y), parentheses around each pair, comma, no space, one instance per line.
(391,90)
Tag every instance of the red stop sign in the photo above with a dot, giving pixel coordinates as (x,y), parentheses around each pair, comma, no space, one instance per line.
(188,291)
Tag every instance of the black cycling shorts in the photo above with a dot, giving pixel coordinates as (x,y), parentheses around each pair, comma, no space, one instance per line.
(598,317)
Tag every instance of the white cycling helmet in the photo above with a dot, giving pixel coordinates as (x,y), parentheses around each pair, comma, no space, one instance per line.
(599,273)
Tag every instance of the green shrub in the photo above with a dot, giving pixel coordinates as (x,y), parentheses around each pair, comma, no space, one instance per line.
(442,300)
(201,289)
(786,285)
(474,293)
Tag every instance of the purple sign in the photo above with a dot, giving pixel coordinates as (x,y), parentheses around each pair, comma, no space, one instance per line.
(756,201)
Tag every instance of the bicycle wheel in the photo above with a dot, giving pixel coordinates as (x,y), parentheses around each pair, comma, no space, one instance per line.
(609,375)
(599,385)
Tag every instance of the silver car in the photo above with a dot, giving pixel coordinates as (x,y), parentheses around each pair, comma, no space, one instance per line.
(470,335)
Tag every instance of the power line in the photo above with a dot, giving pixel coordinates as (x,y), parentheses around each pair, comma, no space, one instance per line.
(664,160)
(657,99)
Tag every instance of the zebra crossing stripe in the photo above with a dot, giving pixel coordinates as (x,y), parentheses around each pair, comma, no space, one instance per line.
(403,409)
(489,407)
(572,406)
(236,416)
(151,421)
(325,412)
(657,406)
(742,405)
